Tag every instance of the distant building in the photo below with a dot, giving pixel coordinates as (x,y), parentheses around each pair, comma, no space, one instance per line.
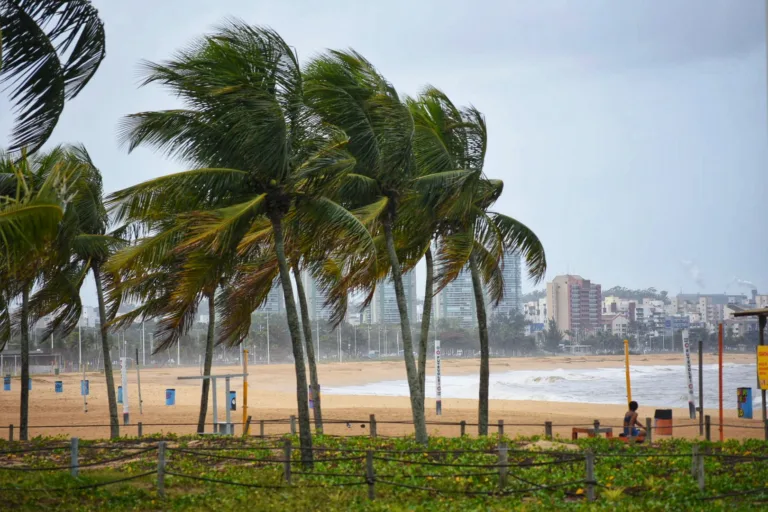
(384,306)
(575,304)
(316,298)
(512,273)
(457,300)
(275,303)
(616,323)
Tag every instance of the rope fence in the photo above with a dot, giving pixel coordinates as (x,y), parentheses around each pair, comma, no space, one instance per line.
(375,468)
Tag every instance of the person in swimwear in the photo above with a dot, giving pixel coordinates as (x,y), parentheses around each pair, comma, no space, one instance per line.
(631,422)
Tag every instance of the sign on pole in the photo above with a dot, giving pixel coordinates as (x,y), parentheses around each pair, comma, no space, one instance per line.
(438,371)
(762,366)
(689,374)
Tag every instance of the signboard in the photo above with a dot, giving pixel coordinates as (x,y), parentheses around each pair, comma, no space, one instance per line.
(762,366)
(689,374)
(744,402)
(438,372)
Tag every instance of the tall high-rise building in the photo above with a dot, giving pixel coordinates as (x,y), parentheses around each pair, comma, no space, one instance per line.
(513,288)
(275,303)
(316,297)
(384,306)
(457,301)
(575,304)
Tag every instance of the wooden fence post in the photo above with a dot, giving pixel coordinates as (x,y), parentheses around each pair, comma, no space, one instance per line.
(503,466)
(293,425)
(74,445)
(247,427)
(694,460)
(373,426)
(287,461)
(648,430)
(707,427)
(548,429)
(765,427)
(701,472)
(370,476)
(261,428)
(590,467)
(463,426)
(501,429)
(10,432)
(161,469)
(141,429)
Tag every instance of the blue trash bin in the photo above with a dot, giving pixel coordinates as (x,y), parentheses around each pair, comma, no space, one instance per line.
(170,397)
(744,402)
(59,386)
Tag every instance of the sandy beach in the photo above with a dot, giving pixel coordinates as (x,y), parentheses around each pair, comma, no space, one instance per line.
(272,396)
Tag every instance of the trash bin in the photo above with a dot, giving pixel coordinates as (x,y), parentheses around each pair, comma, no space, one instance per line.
(663,422)
(744,402)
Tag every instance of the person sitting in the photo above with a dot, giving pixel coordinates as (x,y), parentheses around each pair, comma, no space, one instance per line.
(631,422)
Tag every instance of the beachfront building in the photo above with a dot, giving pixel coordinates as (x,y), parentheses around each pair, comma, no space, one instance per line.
(513,285)
(575,304)
(456,302)
(384,306)
(316,297)
(275,303)
(616,323)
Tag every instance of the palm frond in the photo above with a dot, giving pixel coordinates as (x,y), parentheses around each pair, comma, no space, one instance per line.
(518,237)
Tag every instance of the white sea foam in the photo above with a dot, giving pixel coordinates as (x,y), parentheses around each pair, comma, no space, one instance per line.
(660,386)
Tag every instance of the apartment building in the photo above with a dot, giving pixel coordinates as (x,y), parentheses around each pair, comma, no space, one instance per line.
(575,304)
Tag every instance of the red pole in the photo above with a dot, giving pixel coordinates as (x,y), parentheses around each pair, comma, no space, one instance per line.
(720,374)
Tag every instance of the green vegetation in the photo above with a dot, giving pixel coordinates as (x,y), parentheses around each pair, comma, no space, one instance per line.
(628,478)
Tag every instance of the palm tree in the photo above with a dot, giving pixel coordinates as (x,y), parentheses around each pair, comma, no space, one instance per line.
(40,196)
(347,91)
(258,149)
(50,49)
(469,235)
(83,246)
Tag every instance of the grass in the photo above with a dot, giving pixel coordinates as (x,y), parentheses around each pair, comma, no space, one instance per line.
(629,478)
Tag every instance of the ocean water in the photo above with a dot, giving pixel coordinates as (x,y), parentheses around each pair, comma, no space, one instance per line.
(660,386)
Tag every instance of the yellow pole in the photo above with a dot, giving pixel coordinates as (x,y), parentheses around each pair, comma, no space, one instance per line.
(245,390)
(626,368)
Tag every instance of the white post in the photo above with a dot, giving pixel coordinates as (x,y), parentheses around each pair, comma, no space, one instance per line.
(85,398)
(124,375)
(268,361)
(438,371)
(143,346)
(228,411)
(138,381)
(689,374)
(80,343)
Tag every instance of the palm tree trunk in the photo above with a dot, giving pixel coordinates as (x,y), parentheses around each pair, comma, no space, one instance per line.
(24,413)
(209,339)
(114,424)
(305,434)
(425,318)
(482,326)
(412,373)
(311,361)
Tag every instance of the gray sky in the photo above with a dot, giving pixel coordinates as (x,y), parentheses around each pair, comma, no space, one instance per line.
(631,136)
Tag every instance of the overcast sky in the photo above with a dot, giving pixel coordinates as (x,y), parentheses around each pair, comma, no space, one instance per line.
(631,136)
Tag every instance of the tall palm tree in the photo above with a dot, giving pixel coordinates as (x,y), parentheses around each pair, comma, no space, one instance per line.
(347,91)
(83,245)
(41,196)
(49,50)
(259,149)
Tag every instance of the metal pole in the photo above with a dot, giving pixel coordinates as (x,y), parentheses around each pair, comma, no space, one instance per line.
(138,380)
(354,330)
(268,359)
(761,320)
(178,353)
(227,408)
(720,375)
(80,343)
(317,328)
(626,369)
(245,393)
(369,338)
(215,406)
(144,347)
(701,387)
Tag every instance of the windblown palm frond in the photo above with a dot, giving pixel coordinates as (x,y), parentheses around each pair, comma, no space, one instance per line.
(51,49)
